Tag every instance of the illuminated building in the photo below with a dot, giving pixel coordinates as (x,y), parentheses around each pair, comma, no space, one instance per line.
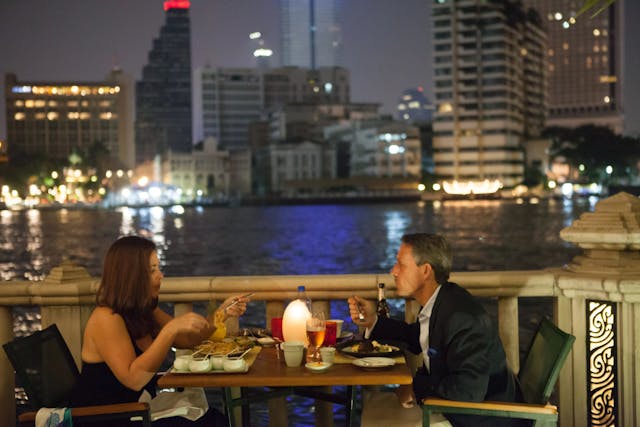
(56,119)
(228,100)
(163,95)
(584,57)
(310,33)
(414,107)
(490,91)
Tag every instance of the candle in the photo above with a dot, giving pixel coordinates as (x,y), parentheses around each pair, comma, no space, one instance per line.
(294,321)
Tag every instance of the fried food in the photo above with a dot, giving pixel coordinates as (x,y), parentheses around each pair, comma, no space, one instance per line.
(216,348)
(371,347)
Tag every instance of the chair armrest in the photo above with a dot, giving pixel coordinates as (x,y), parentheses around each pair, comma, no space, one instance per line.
(495,409)
(116,410)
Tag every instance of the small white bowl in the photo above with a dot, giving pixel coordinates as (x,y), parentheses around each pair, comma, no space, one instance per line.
(217,362)
(200,364)
(182,363)
(234,365)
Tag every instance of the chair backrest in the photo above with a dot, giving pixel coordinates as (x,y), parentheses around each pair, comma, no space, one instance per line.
(539,373)
(44,367)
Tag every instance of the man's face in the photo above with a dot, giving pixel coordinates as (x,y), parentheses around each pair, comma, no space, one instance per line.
(408,276)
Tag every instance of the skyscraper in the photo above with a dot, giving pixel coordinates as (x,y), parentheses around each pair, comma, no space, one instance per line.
(310,33)
(584,58)
(490,91)
(163,95)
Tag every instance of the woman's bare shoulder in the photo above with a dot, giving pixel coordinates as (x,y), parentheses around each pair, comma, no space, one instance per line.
(104,315)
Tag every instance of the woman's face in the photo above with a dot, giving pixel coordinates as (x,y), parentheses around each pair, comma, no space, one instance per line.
(156,274)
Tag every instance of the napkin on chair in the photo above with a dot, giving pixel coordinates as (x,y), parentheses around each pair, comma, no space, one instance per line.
(190,404)
(54,417)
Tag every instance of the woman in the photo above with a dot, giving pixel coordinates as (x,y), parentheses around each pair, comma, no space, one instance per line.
(128,336)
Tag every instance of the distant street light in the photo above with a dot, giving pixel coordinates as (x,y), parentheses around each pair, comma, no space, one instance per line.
(608,169)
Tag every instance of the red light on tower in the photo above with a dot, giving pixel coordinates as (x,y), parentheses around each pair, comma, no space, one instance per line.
(176,4)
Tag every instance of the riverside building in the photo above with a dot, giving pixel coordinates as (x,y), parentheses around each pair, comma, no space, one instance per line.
(584,57)
(490,90)
(163,95)
(56,119)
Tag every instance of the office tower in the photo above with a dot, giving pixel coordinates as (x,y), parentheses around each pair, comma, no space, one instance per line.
(310,33)
(163,95)
(55,119)
(584,56)
(414,107)
(490,91)
(228,100)
(261,53)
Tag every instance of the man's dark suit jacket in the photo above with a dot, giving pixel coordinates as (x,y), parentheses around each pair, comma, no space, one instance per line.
(467,360)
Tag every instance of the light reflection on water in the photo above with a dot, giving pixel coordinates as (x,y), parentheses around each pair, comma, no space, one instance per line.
(289,240)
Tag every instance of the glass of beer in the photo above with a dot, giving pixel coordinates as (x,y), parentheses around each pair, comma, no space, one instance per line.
(316,328)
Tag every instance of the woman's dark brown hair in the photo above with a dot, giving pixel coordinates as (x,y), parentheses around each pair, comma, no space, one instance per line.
(125,286)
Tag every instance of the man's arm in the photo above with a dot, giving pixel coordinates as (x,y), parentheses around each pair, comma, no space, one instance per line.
(397,330)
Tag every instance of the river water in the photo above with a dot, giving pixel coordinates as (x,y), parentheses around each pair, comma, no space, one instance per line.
(289,240)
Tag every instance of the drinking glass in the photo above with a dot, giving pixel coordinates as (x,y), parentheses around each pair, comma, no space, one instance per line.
(316,328)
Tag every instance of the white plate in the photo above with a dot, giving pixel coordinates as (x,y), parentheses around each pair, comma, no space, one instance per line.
(266,341)
(374,362)
(317,366)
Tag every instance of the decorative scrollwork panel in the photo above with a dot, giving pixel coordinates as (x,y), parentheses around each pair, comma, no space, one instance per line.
(601,361)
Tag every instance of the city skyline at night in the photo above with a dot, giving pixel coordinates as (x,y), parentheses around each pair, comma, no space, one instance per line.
(386,48)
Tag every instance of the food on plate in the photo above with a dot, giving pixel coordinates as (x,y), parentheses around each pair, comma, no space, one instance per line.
(219,347)
(370,347)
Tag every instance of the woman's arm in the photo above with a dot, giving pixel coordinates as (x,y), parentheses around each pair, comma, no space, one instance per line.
(109,339)
(191,339)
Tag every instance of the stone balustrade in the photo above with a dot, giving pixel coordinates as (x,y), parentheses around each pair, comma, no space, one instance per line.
(596,298)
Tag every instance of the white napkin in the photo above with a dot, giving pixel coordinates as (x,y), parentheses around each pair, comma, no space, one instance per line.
(190,404)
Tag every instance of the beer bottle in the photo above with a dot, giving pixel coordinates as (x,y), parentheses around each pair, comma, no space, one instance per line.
(383,307)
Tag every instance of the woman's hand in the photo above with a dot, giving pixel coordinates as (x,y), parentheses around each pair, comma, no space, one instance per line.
(234,306)
(189,323)
(362,311)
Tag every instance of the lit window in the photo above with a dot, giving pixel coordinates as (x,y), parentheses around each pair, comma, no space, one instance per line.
(105,103)
(106,116)
(19,116)
(72,103)
(558,16)
(596,48)
(565,46)
(19,103)
(596,32)
(607,99)
(39,116)
(29,103)
(53,103)
(52,115)
(551,52)
(40,103)
(85,116)
(73,115)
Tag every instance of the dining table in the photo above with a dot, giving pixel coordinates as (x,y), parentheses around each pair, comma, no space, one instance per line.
(267,369)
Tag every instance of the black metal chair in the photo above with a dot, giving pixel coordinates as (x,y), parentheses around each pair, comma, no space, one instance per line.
(538,375)
(46,370)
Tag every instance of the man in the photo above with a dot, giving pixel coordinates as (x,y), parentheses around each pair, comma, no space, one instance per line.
(463,356)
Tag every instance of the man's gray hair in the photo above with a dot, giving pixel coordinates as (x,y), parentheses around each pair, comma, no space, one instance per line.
(431,249)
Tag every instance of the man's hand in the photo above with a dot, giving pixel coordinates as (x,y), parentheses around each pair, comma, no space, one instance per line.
(405,395)
(362,311)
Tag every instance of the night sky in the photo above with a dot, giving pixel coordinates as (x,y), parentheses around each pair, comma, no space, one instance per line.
(387,43)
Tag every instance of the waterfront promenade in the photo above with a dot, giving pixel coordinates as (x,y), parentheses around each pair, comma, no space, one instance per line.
(595,296)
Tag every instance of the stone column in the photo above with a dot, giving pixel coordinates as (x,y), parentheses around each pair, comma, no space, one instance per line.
(603,286)
(70,312)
